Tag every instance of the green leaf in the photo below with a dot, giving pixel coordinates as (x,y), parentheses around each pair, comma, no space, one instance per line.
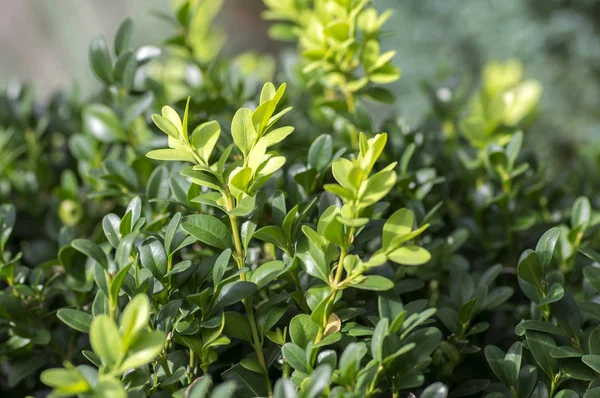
(546,245)
(117,282)
(109,386)
(166,126)
(124,37)
(565,352)
(153,257)
(249,226)
(399,224)
(320,152)
(209,230)
(467,311)
(540,345)
(171,155)
(567,315)
(592,275)
(378,185)
(143,350)
(237,326)
(555,293)
(319,380)
(374,282)
(134,318)
(592,393)
(266,273)
(566,394)
(125,69)
(435,390)
(539,326)
(527,381)
(75,319)
(91,250)
(495,359)
(66,382)
(220,267)
(100,60)
(234,292)
(314,261)
(106,340)
(575,369)
(102,123)
(268,315)
(594,341)
(512,363)
(295,356)
(410,255)
(303,330)
(248,383)
(22,368)
(204,138)
(8,216)
(379,334)
(581,213)
(390,305)
(529,269)
(469,387)
(242,130)
(284,388)
(276,136)
(274,235)
(593,361)
(110,226)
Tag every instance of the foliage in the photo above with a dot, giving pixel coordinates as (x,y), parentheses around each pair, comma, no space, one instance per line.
(190,232)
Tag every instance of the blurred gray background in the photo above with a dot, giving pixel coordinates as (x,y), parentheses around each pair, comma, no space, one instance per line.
(45,42)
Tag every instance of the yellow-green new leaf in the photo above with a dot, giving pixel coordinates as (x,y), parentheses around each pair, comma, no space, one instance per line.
(399,224)
(106,340)
(410,255)
(165,125)
(147,347)
(179,155)
(341,168)
(377,187)
(66,382)
(239,180)
(262,115)
(242,130)
(171,114)
(204,138)
(276,136)
(109,386)
(269,167)
(267,93)
(134,318)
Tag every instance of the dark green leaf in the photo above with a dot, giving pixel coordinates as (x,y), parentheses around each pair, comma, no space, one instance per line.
(209,230)
(234,292)
(100,60)
(75,319)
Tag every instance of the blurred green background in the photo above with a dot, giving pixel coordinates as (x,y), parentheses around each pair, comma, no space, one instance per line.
(45,42)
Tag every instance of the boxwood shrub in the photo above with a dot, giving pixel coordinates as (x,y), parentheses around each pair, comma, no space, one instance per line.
(210,225)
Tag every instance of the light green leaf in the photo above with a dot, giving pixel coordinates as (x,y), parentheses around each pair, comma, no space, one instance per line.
(134,318)
(102,123)
(410,255)
(106,340)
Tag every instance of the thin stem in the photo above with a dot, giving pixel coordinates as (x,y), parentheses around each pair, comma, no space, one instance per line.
(191,370)
(506,188)
(240,260)
(374,382)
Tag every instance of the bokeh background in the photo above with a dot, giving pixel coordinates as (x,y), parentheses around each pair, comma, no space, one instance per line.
(46,41)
